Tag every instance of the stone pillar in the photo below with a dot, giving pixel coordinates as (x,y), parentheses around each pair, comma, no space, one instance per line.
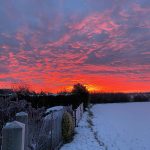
(13,136)
(23,118)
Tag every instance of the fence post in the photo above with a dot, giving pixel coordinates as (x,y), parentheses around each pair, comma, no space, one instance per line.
(13,136)
(23,118)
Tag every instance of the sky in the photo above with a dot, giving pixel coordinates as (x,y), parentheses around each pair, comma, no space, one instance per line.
(54,44)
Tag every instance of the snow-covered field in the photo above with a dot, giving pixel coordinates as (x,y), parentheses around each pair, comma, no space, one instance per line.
(115,127)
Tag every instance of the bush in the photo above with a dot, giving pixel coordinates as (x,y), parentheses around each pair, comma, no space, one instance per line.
(109,98)
(141,98)
(67,127)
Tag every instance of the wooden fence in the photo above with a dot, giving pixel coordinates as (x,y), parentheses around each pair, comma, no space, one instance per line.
(50,136)
(41,132)
(78,114)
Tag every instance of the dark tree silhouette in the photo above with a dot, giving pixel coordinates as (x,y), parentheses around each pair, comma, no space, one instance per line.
(82,94)
(21,89)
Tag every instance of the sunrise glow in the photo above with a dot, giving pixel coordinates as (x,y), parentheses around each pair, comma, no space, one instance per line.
(54,44)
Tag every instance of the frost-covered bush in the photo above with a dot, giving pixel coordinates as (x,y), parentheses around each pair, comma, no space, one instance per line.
(8,109)
(67,127)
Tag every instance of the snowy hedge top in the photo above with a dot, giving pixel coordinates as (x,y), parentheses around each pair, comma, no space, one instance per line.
(22,114)
(14,124)
(56,108)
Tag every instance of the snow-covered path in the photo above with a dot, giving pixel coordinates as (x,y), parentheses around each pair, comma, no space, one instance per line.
(118,126)
(84,139)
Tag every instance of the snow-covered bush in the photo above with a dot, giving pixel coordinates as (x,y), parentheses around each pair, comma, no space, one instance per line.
(67,127)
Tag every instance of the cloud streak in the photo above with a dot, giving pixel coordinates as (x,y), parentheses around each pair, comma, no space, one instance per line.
(57,43)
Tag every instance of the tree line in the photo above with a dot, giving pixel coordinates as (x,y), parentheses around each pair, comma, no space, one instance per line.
(78,95)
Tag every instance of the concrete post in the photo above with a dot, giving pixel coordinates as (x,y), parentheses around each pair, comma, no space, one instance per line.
(23,118)
(13,136)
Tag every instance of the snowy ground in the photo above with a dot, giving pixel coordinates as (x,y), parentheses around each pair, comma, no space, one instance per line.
(84,139)
(115,127)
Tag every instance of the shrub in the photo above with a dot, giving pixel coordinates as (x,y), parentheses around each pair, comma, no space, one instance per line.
(67,127)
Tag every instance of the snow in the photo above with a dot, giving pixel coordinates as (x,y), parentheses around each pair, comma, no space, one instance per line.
(123,126)
(56,108)
(22,114)
(84,139)
(14,124)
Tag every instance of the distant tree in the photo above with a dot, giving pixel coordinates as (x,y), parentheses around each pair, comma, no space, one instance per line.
(21,88)
(82,93)
(141,98)
(43,93)
(109,98)
(64,92)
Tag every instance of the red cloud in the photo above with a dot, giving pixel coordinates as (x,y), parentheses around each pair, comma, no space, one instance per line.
(99,50)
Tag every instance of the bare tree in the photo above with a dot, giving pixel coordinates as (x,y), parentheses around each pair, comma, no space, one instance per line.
(21,88)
